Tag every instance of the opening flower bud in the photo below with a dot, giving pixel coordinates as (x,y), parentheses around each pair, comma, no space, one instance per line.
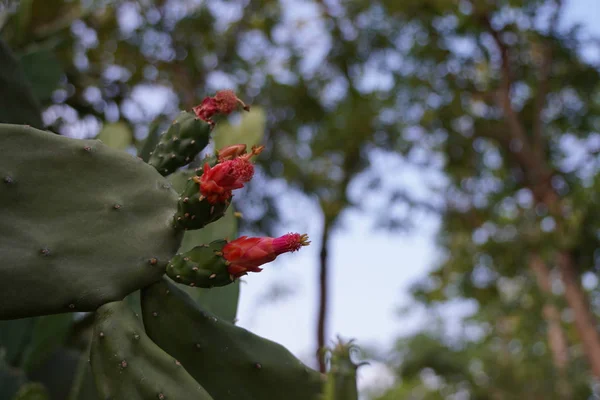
(216,183)
(223,102)
(247,254)
(231,152)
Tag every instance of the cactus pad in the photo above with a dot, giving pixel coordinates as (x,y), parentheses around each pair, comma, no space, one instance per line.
(80,224)
(127,365)
(180,143)
(229,361)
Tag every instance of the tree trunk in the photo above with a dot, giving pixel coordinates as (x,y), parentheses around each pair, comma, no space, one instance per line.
(557,340)
(585,322)
(323,296)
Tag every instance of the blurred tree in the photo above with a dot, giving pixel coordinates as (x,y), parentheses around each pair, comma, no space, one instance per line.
(495,93)
(516,105)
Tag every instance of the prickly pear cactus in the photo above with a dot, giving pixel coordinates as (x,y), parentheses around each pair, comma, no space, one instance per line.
(229,361)
(129,366)
(341,379)
(80,224)
(180,143)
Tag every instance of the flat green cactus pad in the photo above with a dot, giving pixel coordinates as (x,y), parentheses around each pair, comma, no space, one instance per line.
(80,224)
(230,362)
(127,365)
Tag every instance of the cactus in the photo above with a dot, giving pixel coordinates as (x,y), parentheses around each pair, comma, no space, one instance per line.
(229,361)
(341,379)
(180,143)
(84,226)
(80,224)
(128,365)
(190,132)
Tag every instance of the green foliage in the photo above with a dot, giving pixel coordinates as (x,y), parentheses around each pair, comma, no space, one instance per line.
(81,212)
(32,391)
(249,131)
(230,362)
(49,333)
(43,71)
(116,135)
(18,104)
(128,365)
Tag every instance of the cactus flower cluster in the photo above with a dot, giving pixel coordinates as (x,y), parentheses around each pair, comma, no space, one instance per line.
(112,239)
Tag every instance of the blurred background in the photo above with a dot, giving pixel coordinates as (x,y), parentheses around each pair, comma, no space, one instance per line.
(443,156)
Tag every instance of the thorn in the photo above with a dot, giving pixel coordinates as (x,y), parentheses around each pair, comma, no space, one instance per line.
(155,314)
(193,142)
(45,252)
(258,366)
(238,214)
(186,259)
(8,180)
(192,284)
(185,200)
(212,276)
(101,334)
(153,261)
(87,148)
(201,198)
(124,364)
(218,253)
(212,209)
(117,206)
(71,306)
(195,269)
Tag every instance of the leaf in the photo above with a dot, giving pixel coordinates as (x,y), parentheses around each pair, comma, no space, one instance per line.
(44,71)
(10,380)
(49,334)
(18,104)
(249,131)
(117,135)
(14,337)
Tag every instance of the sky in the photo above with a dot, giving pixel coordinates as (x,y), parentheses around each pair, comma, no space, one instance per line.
(371,271)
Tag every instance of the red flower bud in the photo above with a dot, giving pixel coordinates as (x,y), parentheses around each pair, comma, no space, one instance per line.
(231,152)
(224,102)
(216,183)
(238,150)
(248,253)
